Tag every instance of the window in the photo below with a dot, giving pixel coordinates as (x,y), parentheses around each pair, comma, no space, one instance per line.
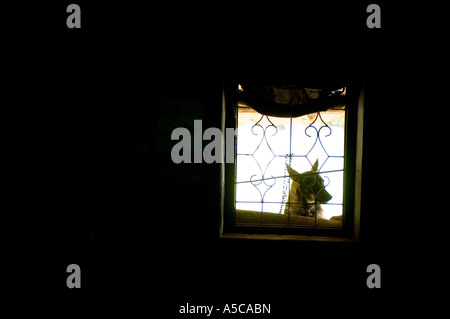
(297,168)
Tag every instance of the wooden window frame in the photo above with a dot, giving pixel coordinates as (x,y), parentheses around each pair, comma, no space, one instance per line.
(350,230)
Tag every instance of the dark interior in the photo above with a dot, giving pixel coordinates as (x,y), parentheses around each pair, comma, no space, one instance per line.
(145,231)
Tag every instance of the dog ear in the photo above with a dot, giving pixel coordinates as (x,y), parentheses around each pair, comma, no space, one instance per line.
(296,176)
(315,167)
(292,172)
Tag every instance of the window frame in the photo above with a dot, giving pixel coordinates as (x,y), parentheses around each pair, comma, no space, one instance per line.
(352,178)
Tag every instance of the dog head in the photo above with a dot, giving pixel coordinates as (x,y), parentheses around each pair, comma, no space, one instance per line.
(307,191)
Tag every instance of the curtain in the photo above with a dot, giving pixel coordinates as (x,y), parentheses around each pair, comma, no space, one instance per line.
(290,100)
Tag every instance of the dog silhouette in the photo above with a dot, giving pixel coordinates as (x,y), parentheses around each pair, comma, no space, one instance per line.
(307,193)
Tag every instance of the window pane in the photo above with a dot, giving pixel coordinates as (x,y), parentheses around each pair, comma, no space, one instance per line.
(266,144)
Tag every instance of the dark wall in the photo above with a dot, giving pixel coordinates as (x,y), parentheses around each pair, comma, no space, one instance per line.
(155,219)
(105,158)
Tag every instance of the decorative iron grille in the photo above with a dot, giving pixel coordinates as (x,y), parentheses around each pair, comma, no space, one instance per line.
(267,144)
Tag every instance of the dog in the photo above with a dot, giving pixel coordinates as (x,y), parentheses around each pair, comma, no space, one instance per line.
(307,193)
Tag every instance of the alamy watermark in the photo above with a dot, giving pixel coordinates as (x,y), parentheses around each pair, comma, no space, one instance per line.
(211,153)
(374,279)
(74,279)
(74,19)
(373,20)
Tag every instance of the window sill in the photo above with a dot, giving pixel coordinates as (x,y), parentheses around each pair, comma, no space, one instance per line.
(288,237)
(244,217)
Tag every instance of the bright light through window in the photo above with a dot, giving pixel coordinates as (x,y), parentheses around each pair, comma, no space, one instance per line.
(266,144)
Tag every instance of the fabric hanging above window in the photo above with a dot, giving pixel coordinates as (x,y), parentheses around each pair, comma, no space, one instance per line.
(290,100)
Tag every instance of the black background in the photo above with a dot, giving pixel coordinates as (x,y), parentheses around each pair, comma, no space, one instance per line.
(90,136)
